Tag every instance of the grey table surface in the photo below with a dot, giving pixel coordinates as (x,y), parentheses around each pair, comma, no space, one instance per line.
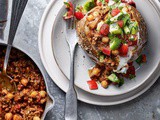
(145,107)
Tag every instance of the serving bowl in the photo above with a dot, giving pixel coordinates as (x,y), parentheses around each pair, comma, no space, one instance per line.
(50,100)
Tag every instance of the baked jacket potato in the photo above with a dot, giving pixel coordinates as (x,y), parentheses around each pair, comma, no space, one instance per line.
(113,35)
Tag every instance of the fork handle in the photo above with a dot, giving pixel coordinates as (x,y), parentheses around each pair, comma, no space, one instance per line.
(18,7)
(71,96)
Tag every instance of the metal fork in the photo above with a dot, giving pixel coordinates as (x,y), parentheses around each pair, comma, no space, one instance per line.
(71,96)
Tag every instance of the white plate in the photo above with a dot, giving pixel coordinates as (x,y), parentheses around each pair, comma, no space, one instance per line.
(113,95)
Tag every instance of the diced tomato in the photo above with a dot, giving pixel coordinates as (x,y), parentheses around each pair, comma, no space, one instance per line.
(69,13)
(130,64)
(106,51)
(132,43)
(104,30)
(71,5)
(107,1)
(114,12)
(123,1)
(92,84)
(120,23)
(130,2)
(68,5)
(123,50)
(79,15)
(144,58)
(131,70)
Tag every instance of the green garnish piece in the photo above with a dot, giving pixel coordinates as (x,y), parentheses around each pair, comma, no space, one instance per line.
(139,60)
(134,31)
(116,1)
(115,29)
(67,4)
(133,26)
(114,78)
(126,30)
(117,17)
(121,82)
(115,43)
(126,18)
(89,5)
(131,76)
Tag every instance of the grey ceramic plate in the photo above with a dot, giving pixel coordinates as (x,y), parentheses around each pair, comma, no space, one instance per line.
(55,56)
(50,99)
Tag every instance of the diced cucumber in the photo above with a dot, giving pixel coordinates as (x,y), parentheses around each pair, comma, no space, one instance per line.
(121,5)
(126,30)
(134,31)
(89,5)
(111,3)
(116,1)
(133,26)
(126,18)
(108,18)
(111,36)
(117,17)
(99,25)
(115,43)
(114,78)
(115,29)
(108,21)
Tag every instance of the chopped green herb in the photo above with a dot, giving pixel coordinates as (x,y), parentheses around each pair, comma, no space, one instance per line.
(131,76)
(67,4)
(121,82)
(139,60)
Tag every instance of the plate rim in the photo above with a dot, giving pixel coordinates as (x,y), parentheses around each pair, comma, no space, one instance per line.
(45,64)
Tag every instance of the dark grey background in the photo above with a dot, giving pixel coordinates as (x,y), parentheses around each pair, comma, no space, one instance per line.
(145,107)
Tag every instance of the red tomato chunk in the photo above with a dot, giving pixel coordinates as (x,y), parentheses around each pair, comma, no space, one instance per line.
(92,85)
(115,12)
(106,51)
(104,30)
(120,23)
(78,15)
(123,50)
